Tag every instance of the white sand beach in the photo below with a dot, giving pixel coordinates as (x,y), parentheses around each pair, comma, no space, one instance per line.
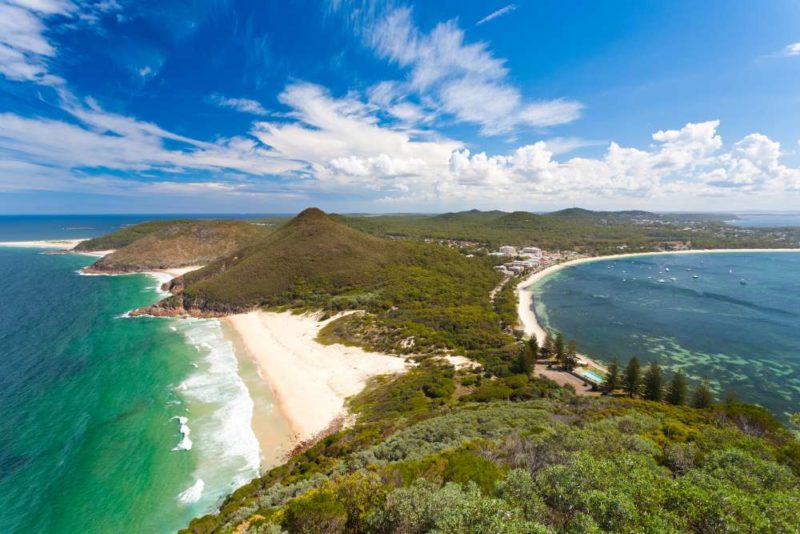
(310,381)
(65,244)
(175,272)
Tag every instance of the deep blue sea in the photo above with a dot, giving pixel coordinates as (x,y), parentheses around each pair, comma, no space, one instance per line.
(110,423)
(737,323)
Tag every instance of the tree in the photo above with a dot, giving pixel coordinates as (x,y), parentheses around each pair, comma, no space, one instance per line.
(571,356)
(653,383)
(533,344)
(677,390)
(548,349)
(526,360)
(702,396)
(632,382)
(560,350)
(613,380)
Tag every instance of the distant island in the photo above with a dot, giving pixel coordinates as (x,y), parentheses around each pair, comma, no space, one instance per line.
(423,395)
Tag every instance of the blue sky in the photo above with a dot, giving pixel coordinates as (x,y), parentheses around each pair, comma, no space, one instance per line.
(270,106)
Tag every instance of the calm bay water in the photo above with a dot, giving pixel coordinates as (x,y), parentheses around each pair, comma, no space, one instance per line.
(91,435)
(737,323)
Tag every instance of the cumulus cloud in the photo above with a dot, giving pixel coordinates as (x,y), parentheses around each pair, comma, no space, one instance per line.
(467,81)
(792,49)
(688,160)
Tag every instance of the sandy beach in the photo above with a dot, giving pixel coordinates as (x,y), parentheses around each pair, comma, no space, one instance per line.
(65,244)
(310,381)
(527,316)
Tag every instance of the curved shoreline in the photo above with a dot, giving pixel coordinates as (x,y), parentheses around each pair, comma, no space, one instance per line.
(527,315)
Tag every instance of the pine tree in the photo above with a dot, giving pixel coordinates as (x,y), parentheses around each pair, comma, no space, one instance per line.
(677,390)
(702,396)
(653,383)
(632,382)
(533,344)
(525,360)
(548,348)
(613,380)
(571,356)
(560,350)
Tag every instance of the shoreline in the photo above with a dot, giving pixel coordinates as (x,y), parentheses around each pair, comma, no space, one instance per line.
(66,244)
(310,381)
(525,301)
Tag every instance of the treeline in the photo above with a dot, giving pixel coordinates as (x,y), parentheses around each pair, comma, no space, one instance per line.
(592,232)
(651,384)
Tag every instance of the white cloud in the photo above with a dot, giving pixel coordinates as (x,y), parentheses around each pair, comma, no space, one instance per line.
(244,105)
(792,49)
(24,49)
(499,13)
(466,79)
(99,139)
(324,144)
(26,53)
(342,143)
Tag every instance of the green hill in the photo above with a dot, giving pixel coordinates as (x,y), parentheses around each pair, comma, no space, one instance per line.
(310,250)
(415,294)
(165,244)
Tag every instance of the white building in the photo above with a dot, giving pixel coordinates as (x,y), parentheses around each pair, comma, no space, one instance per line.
(531,252)
(508,250)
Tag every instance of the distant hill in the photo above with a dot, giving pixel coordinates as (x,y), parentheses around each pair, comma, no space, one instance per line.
(166,244)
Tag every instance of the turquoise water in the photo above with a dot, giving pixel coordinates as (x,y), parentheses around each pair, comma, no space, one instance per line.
(737,322)
(90,401)
(592,375)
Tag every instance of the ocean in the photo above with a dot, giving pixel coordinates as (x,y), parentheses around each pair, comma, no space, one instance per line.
(733,318)
(110,423)
(766,220)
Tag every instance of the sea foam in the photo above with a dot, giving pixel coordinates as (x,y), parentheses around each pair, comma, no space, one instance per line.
(193,493)
(225,445)
(185,444)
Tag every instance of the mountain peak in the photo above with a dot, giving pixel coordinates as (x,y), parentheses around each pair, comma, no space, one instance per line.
(311,215)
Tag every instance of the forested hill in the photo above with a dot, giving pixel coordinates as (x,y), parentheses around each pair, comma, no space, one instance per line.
(415,297)
(174,243)
(596,232)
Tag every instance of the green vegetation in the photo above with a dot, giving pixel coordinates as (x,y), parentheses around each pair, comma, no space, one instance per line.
(413,295)
(446,451)
(653,383)
(165,244)
(632,381)
(677,390)
(576,229)
(491,449)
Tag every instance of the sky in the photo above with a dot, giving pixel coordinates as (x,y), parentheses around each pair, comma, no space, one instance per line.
(226,106)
